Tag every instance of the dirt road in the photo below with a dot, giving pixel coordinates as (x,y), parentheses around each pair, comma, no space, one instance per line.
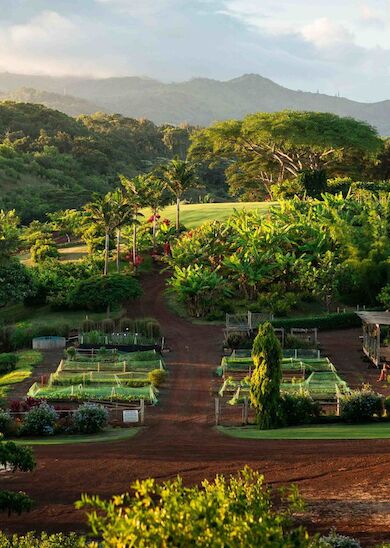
(345,484)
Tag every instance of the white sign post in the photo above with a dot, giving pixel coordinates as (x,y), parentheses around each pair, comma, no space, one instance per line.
(130,415)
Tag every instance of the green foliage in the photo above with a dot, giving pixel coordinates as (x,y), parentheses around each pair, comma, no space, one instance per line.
(361,405)
(266,377)
(384,296)
(12,502)
(40,421)
(9,233)
(224,513)
(21,335)
(15,282)
(199,288)
(90,418)
(16,457)
(340,320)
(335,540)
(265,149)
(99,292)
(49,161)
(298,409)
(42,540)
(157,377)
(5,422)
(8,362)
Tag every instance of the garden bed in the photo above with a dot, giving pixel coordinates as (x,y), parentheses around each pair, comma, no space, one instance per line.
(108,435)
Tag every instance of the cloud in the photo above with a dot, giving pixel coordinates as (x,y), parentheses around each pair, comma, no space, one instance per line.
(325,33)
(337,46)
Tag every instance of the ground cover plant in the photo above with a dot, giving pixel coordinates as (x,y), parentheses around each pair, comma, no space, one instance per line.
(26,361)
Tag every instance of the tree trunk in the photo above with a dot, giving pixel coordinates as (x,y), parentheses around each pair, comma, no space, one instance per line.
(154,229)
(118,249)
(177,214)
(106,251)
(134,244)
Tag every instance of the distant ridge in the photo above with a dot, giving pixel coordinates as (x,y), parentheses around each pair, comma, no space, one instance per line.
(198,101)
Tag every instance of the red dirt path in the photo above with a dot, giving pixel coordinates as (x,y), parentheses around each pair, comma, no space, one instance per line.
(345,483)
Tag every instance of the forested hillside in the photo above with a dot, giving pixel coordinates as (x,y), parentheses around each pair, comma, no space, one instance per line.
(199,101)
(50,161)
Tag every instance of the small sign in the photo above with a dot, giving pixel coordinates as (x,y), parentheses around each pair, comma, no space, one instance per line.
(130,415)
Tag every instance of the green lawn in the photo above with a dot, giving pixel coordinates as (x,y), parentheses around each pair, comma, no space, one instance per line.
(312,432)
(193,215)
(110,434)
(44,314)
(28,359)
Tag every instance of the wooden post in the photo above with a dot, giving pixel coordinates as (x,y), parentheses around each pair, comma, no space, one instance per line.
(217,411)
(245,411)
(142,412)
(338,405)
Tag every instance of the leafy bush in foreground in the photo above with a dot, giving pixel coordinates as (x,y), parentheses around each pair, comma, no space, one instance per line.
(5,422)
(360,405)
(90,418)
(227,512)
(43,540)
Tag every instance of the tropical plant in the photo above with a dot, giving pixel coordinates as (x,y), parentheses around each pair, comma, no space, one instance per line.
(199,287)
(179,176)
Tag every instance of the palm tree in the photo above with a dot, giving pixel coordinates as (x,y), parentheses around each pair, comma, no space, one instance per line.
(156,198)
(135,191)
(179,176)
(108,213)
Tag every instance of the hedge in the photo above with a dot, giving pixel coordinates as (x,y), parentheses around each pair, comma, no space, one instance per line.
(327,321)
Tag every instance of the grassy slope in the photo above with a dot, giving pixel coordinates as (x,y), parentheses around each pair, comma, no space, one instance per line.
(110,434)
(193,215)
(28,359)
(312,432)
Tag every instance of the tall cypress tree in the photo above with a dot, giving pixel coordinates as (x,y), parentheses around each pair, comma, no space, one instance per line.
(266,377)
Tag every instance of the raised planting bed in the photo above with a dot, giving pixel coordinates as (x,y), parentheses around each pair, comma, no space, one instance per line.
(94,392)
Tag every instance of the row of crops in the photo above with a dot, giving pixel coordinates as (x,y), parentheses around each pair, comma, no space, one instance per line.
(104,376)
(314,376)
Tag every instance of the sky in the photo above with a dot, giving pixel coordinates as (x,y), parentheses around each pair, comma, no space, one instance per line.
(334,46)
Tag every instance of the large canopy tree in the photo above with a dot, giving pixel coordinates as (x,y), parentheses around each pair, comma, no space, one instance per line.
(264,149)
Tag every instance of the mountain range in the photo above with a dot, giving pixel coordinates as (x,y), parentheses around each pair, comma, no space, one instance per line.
(199,101)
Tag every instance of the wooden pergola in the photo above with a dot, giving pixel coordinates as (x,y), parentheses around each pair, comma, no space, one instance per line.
(372,346)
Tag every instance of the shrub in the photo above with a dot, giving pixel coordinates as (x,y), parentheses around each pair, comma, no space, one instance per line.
(334,540)
(43,540)
(360,405)
(238,340)
(40,421)
(88,325)
(8,362)
(14,502)
(108,325)
(71,352)
(157,376)
(5,422)
(99,292)
(90,418)
(297,342)
(235,511)
(299,409)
